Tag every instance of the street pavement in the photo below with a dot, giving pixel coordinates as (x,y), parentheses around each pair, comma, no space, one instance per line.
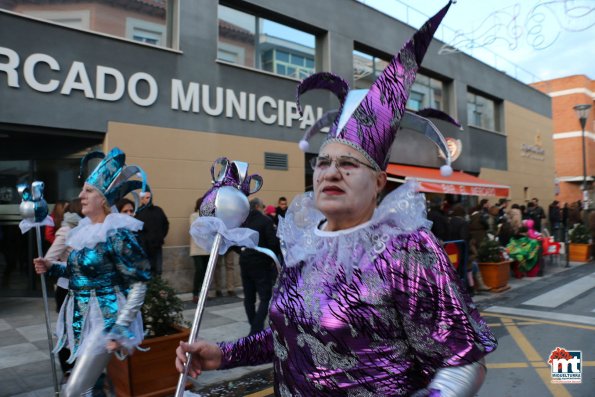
(25,368)
(532,318)
(530,323)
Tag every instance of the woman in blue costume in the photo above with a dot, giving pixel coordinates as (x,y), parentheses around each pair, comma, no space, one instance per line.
(108,271)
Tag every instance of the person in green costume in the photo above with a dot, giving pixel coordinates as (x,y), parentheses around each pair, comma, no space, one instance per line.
(523,250)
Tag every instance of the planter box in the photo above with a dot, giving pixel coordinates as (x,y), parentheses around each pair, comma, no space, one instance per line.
(579,252)
(151,373)
(495,275)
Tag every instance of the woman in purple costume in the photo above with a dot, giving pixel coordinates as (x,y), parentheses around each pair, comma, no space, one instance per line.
(367,303)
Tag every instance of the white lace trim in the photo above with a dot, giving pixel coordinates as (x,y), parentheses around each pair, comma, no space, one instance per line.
(326,233)
(402,211)
(88,235)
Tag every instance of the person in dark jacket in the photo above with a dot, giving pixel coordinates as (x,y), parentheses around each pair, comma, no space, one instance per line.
(505,232)
(152,236)
(439,220)
(534,214)
(258,271)
(555,219)
(538,214)
(565,217)
(458,230)
(502,210)
(458,227)
(574,214)
(479,222)
(281,209)
(523,209)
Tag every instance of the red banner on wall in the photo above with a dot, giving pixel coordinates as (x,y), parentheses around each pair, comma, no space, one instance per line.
(430,180)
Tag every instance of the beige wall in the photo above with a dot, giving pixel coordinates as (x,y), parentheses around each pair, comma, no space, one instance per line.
(178,163)
(522,127)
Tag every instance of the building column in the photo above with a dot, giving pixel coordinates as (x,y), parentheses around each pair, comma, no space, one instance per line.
(334,53)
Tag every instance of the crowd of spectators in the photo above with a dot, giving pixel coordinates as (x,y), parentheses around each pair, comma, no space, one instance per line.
(522,230)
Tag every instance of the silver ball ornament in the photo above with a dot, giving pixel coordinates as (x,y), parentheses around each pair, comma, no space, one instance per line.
(27,209)
(231,206)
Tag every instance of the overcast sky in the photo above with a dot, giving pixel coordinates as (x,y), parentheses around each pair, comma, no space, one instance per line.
(546,39)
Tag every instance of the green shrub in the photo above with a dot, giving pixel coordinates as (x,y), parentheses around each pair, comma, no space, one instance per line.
(579,234)
(490,251)
(162,310)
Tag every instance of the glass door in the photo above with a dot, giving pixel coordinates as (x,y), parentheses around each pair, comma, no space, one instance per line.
(17,277)
(27,154)
(16,271)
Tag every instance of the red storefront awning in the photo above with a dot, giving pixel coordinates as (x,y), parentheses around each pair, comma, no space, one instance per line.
(459,182)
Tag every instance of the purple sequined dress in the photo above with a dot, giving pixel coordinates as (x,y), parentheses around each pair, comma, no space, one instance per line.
(374,310)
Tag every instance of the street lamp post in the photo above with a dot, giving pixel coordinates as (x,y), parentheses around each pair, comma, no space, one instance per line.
(582,112)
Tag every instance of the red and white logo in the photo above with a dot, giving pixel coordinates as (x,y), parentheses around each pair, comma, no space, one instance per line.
(566,365)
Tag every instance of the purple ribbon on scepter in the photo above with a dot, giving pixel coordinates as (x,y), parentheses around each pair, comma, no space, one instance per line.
(34,211)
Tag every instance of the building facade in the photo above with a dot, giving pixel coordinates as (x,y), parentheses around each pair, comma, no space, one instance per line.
(566,93)
(177,84)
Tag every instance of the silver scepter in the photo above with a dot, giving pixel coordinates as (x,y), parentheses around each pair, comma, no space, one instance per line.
(226,200)
(34,211)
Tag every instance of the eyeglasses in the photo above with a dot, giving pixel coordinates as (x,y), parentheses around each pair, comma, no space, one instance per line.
(345,163)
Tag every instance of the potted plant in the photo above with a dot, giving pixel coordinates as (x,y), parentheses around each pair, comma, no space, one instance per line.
(579,248)
(150,371)
(493,264)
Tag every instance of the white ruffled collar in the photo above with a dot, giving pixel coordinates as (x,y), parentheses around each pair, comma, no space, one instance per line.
(88,235)
(402,211)
(319,231)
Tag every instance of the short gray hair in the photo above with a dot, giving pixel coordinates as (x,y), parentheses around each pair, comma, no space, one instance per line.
(256,203)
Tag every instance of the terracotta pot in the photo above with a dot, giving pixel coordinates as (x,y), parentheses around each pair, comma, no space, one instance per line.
(495,275)
(151,373)
(579,252)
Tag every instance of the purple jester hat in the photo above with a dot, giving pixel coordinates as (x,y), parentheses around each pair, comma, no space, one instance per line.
(368,120)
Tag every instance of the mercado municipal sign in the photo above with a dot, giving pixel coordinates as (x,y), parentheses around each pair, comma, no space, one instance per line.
(143,90)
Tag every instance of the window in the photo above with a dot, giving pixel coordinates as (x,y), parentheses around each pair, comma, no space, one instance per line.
(75,19)
(143,21)
(231,53)
(366,69)
(415,101)
(426,92)
(481,111)
(145,32)
(286,64)
(259,43)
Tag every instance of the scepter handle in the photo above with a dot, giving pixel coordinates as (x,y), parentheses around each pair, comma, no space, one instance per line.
(202,298)
(47,313)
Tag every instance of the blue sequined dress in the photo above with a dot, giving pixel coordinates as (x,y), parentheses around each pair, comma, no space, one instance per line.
(106,260)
